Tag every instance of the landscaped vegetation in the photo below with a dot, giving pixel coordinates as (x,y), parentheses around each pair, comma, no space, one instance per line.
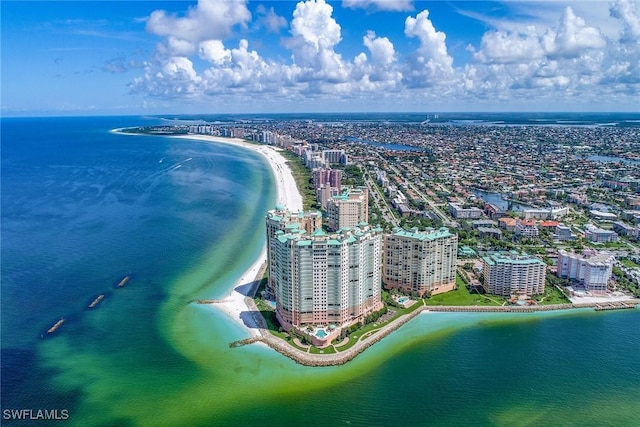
(626,282)
(626,262)
(465,294)
(552,294)
(302,176)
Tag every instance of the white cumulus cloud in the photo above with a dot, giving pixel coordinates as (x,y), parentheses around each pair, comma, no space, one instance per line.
(509,47)
(557,61)
(627,11)
(214,51)
(381,48)
(572,37)
(209,19)
(315,33)
(430,64)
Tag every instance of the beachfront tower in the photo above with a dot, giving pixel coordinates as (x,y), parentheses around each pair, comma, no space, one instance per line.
(420,261)
(348,209)
(509,273)
(591,268)
(327,279)
(281,219)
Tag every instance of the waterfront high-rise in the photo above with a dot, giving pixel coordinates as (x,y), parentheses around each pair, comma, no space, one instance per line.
(326,279)
(420,261)
(508,273)
(281,219)
(348,209)
(591,268)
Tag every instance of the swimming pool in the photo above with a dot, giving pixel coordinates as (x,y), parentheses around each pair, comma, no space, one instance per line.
(321,333)
(402,300)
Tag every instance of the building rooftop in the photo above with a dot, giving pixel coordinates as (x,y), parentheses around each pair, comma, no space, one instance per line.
(511,258)
(428,234)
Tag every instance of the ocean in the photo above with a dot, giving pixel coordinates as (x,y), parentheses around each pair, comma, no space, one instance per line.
(82,208)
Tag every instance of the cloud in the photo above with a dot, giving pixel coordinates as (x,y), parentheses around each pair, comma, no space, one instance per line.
(626,11)
(503,47)
(214,51)
(624,67)
(315,33)
(389,5)
(572,37)
(209,19)
(565,61)
(174,78)
(314,26)
(382,50)
(270,20)
(570,61)
(430,64)
(381,74)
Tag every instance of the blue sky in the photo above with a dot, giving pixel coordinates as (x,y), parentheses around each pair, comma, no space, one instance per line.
(237,56)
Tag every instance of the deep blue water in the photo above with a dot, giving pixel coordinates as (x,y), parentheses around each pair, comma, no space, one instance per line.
(82,208)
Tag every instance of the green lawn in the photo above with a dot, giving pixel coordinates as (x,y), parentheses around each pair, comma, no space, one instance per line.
(552,295)
(628,263)
(461,296)
(327,350)
(355,336)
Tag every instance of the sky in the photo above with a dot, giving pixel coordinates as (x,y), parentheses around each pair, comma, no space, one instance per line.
(240,56)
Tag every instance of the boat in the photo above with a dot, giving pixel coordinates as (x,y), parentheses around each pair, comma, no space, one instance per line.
(124,281)
(96,301)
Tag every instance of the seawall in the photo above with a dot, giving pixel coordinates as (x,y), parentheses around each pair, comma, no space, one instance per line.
(332,359)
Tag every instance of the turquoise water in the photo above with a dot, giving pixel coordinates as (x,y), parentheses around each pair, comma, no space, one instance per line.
(321,333)
(402,300)
(82,207)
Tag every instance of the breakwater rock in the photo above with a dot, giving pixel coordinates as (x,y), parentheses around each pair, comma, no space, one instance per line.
(372,337)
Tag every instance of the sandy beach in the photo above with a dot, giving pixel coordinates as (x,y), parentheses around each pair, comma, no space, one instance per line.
(288,195)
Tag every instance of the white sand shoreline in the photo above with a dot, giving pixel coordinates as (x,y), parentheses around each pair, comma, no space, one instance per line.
(288,195)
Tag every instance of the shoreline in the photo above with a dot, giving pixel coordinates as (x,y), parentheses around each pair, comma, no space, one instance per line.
(333,359)
(239,306)
(234,304)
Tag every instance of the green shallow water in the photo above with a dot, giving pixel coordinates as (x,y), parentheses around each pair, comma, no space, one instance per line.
(573,368)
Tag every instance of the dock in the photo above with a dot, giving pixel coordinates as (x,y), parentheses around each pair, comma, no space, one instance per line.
(124,281)
(55,326)
(619,305)
(96,301)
